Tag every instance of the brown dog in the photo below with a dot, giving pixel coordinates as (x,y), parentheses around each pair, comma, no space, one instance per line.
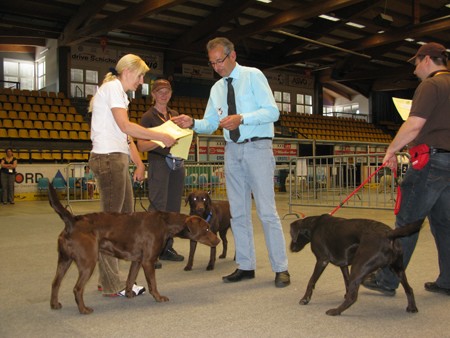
(364,244)
(217,214)
(138,237)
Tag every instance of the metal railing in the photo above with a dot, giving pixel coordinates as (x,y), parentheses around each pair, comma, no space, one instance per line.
(329,180)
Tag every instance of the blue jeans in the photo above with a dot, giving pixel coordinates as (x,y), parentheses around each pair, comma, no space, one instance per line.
(249,168)
(425,193)
(116,195)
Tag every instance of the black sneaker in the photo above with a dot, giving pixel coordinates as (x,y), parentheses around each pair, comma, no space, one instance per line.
(171,255)
(371,283)
(433,287)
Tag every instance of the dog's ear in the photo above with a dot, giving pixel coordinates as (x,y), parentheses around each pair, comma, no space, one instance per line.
(187,199)
(305,232)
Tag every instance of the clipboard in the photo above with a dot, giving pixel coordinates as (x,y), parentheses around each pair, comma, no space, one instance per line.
(183,137)
(403,107)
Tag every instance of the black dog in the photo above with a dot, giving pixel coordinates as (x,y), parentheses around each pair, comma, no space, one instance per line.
(217,214)
(364,244)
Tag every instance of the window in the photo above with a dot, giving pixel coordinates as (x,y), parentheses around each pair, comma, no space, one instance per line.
(19,71)
(283,101)
(41,70)
(83,82)
(304,104)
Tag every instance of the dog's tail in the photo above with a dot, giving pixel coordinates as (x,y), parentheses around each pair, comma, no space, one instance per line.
(65,215)
(406,230)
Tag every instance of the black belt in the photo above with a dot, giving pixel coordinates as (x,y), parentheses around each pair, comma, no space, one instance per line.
(438,150)
(254,139)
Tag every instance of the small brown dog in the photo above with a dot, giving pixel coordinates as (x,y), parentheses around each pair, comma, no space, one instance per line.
(138,237)
(364,244)
(217,214)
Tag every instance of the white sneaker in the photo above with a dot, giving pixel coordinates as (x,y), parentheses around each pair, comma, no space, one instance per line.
(137,290)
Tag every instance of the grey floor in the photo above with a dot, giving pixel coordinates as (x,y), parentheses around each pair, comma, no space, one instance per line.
(201,305)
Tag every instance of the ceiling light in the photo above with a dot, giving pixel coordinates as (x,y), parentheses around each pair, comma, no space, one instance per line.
(354,24)
(383,20)
(328,17)
(265,1)
(447,5)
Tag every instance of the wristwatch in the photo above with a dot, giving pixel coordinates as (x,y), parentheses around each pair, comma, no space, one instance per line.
(242,118)
(193,123)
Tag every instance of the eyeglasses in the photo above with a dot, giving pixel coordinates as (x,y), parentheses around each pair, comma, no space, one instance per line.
(218,62)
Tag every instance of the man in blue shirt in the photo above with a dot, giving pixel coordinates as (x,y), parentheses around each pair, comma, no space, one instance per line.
(249,160)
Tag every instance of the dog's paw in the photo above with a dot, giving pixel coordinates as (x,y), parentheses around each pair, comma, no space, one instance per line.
(333,312)
(222,256)
(210,267)
(304,301)
(86,311)
(161,299)
(56,306)
(188,268)
(412,309)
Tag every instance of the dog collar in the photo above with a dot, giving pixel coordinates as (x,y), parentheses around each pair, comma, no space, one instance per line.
(208,218)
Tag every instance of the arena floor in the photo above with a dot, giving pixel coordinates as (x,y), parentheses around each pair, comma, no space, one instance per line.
(201,305)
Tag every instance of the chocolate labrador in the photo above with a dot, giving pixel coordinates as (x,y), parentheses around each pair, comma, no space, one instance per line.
(217,214)
(138,237)
(366,245)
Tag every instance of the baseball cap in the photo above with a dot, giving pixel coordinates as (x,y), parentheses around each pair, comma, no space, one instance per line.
(432,49)
(160,84)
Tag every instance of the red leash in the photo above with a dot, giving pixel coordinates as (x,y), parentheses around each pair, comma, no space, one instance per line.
(399,194)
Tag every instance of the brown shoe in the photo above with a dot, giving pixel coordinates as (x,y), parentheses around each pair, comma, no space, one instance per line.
(282,279)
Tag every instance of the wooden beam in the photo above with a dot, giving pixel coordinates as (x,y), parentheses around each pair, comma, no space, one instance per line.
(121,18)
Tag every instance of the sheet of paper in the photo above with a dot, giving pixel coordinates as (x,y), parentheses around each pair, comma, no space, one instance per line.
(403,107)
(183,136)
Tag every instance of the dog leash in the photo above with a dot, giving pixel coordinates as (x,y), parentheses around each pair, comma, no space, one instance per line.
(399,194)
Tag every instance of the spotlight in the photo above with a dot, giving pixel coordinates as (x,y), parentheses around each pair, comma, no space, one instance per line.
(383,20)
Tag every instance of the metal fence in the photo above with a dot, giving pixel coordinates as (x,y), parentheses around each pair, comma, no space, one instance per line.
(77,186)
(207,176)
(329,180)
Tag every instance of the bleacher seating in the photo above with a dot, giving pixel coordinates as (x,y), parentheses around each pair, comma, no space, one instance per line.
(43,116)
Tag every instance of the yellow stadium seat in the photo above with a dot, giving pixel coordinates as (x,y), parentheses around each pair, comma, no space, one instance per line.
(48,125)
(38,124)
(3,133)
(54,134)
(23,133)
(18,124)
(43,133)
(82,135)
(73,135)
(42,116)
(57,125)
(33,133)
(12,114)
(28,124)
(13,133)
(8,123)
(23,115)
(64,135)
(32,115)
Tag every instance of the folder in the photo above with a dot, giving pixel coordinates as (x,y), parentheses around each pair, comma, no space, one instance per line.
(183,137)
